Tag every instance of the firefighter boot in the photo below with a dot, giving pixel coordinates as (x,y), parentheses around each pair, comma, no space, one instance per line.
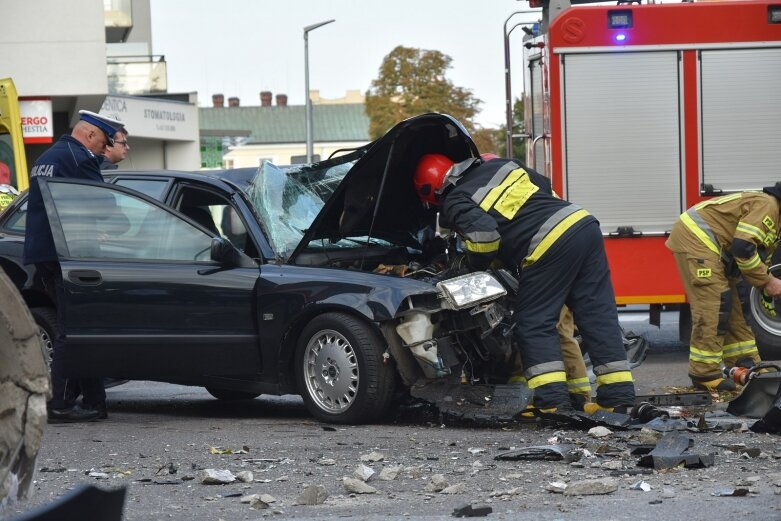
(717,384)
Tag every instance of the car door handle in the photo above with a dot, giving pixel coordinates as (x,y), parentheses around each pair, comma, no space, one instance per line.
(88,277)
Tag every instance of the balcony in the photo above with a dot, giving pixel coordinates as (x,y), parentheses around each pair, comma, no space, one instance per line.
(118,16)
(137,75)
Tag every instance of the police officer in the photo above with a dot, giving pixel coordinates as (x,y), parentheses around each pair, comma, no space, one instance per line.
(714,243)
(502,209)
(74,156)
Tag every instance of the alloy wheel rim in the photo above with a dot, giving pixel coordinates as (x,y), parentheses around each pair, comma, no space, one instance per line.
(331,371)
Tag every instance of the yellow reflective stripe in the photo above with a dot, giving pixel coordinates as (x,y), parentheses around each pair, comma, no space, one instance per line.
(515,197)
(614,378)
(749,229)
(553,235)
(493,195)
(707,357)
(547,378)
(575,385)
(740,348)
(699,232)
(718,200)
(753,262)
(482,247)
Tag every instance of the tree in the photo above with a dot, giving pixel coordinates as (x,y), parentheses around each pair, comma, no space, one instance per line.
(412,82)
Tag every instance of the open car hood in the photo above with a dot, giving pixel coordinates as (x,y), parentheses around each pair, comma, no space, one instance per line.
(376,197)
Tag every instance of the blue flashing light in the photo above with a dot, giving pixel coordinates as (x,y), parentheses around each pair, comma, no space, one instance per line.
(620,37)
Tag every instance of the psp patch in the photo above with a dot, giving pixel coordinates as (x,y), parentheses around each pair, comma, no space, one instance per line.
(704,273)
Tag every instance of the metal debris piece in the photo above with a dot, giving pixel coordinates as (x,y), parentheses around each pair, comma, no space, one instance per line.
(481,403)
(673,450)
(761,397)
(468,510)
(561,452)
(700,398)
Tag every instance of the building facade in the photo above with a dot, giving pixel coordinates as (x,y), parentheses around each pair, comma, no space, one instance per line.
(96,55)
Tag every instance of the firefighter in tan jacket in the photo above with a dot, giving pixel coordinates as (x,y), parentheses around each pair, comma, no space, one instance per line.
(714,243)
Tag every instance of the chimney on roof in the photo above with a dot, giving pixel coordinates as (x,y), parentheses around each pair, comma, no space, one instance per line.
(265,98)
(233,101)
(218,100)
(281,100)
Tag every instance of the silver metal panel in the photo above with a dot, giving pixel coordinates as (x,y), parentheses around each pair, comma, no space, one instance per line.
(741,118)
(622,138)
(537,119)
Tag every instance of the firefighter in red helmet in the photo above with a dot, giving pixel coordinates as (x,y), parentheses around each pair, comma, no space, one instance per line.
(503,210)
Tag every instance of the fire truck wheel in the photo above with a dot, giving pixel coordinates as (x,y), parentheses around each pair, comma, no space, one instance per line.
(24,389)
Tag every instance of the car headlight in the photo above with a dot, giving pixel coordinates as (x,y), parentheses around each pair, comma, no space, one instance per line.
(470,290)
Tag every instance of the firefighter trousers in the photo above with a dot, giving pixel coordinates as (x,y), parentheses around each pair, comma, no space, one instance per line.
(720,334)
(574,271)
(578,383)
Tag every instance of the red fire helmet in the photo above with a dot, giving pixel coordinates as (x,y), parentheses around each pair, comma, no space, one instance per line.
(429,176)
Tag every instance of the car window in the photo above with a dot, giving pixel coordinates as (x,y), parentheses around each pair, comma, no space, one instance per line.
(100,222)
(154,188)
(17,221)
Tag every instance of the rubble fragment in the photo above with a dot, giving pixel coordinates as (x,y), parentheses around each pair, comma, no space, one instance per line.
(437,483)
(458,488)
(591,487)
(363,473)
(217,477)
(735,492)
(600,432)
(245,476)
(372,457)
(356,486)
(390,473)
(640,485)
(312,495)
(557,487)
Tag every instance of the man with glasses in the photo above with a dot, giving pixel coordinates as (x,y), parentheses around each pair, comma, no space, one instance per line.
(74,156)
(116,152)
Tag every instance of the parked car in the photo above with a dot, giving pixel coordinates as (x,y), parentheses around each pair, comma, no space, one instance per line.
(326,280)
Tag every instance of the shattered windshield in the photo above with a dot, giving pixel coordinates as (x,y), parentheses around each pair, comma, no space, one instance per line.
(288,199)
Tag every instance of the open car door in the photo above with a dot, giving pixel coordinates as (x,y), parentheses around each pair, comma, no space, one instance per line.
(144,299)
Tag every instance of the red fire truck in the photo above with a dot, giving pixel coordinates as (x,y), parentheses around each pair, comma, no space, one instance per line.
(637,112)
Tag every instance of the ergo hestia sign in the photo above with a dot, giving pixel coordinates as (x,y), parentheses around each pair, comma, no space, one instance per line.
(37,126)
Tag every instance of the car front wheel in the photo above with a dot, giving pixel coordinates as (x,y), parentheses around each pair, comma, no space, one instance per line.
(340,370)
(46,319)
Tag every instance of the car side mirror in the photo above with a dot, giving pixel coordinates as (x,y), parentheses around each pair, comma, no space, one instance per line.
(223,251)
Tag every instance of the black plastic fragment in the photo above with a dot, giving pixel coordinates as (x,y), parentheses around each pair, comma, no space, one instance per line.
(468,510)
(673,450)
(562,452)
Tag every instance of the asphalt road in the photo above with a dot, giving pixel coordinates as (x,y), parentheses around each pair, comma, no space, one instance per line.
(160,437)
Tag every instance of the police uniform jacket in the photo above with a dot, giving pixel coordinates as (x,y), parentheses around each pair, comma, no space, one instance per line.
(741,228)
(500,208)
(66,158)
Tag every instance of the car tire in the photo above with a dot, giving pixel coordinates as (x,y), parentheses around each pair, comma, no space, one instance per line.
(340,371)
(46,318)
(767,328)
(231,396)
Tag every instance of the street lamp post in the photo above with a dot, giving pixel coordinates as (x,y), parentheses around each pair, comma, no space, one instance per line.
(508,82)
(306,84)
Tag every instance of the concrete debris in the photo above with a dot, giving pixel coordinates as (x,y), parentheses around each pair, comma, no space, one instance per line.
(591,487)
(472,511)
(373,457)
(356,486)
(326,462)
(437,483)
(249,498)
(363,473)
(312,495)
(600,432)
(640,485)
(504,493)
(557,487)
(97,475)
(258,501)
(245,476)
(475,451)
(648,436)
(390,473)
(458,488)
(217,477)
(774,479)
(612,465)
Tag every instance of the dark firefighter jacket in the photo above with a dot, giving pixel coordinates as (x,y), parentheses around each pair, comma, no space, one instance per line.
(500,208)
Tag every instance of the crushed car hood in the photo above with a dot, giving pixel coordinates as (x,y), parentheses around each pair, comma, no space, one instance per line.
(376,198)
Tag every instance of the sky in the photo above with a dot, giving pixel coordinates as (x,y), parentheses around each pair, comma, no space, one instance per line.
(241,47)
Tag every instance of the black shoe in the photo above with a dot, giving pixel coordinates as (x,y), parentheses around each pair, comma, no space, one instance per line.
(100,408)
(73,415)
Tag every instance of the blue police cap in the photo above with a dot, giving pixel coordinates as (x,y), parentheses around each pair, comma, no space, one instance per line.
(109,126)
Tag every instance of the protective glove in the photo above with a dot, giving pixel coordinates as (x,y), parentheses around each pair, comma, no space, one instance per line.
(769,304)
